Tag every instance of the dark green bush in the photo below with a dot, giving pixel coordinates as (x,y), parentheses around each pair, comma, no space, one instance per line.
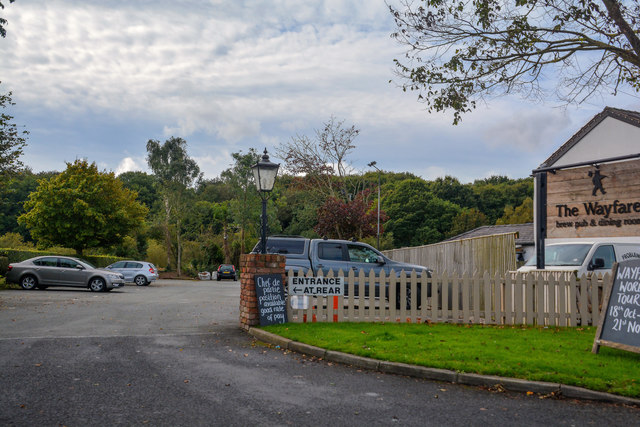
(17,255)
(4,263)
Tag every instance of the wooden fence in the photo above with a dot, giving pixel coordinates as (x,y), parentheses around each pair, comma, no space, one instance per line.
(511,299)
(495,254)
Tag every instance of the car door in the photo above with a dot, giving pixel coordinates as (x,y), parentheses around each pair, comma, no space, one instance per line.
(332,256)
(46,269)
(363,258)
(72,273)
(130,270)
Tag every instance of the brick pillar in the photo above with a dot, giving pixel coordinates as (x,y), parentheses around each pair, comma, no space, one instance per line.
(252,265)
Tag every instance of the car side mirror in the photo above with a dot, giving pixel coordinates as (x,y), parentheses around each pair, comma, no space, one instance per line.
(79,267)
(596,264)
(380,260)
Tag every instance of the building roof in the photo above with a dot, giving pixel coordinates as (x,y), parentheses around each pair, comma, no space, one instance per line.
(627,116)
(525,232)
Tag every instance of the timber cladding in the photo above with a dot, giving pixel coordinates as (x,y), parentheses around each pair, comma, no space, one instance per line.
(594,202)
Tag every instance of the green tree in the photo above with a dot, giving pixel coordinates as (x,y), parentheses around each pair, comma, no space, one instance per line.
(82,208)
(449,188)
(13,194)
(3,22)
(176,173)
(467,220)
(520,215)
(145,185)
(461,52)
(12,140)
(417,217)
(245,207)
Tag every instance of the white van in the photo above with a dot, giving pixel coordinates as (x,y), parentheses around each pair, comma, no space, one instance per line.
(585,256)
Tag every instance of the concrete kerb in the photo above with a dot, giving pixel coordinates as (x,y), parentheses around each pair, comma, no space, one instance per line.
(511,384)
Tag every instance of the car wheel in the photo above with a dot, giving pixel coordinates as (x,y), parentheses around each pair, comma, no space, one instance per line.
(97,284)
(140,281)
(28,282)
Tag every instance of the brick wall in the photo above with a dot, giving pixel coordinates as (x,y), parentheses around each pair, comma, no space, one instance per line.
(252,265)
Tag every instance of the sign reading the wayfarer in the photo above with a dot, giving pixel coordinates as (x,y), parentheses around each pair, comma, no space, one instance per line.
(619,326)
(319,286)
(590,201)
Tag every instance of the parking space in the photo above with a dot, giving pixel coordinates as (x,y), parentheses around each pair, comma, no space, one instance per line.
(164,307)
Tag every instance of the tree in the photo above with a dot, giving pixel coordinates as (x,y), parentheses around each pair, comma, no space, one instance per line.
(144,184)
(82,208)
(245,206)
(323,160)
(338,219)
(520,215)
(12,140)
(3,22)
(466,220)
(176,172)
(462,52)
(417,216)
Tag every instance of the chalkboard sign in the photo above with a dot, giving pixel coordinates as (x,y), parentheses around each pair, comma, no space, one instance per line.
(620,321)
(271,301)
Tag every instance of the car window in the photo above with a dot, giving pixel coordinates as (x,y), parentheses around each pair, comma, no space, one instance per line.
(136,265)
(359,253)
(607,253)
(47,262)
(67,263)
(119,264)
(283,246)
(330,251)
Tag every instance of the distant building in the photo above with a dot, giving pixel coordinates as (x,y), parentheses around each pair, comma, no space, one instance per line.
(525,243)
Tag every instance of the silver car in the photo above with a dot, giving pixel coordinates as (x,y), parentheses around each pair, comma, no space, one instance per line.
(44,271)
(139,272)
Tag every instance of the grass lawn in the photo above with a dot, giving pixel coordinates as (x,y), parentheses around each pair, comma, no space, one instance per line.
(561,355)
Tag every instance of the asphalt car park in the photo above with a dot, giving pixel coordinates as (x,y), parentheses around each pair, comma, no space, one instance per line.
(174,354)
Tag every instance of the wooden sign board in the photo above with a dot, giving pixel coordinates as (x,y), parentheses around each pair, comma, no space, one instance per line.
(272,305)
(619,325)
(594,202)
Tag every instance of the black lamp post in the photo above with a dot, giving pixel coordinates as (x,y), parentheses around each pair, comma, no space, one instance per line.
(265,173)
(373,165)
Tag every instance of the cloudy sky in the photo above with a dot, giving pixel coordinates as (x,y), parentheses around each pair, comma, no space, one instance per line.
(98,79)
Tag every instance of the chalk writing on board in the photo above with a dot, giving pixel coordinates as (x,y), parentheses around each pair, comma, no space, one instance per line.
(620,323)
(271,300)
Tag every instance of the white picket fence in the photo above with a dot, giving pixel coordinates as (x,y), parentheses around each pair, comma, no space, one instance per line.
(511,299)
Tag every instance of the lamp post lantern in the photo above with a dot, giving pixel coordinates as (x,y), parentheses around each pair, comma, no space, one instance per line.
(373,165)
(265,173)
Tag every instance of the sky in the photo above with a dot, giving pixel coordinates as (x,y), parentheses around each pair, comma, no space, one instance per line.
(96,80)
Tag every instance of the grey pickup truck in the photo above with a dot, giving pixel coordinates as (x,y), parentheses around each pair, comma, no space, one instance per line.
(327,254)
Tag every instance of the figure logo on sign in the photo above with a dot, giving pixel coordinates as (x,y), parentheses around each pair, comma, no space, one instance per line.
(596,178)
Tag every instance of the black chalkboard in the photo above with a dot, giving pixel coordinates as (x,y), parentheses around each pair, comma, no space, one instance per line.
(620,322)
(271,301)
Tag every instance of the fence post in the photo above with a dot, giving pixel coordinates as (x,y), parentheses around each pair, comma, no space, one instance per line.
(252,265)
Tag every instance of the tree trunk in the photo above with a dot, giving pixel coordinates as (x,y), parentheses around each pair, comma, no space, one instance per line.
(167,234)
(179,244)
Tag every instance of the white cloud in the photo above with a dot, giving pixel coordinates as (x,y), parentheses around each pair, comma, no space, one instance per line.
(101,78)
(129,164)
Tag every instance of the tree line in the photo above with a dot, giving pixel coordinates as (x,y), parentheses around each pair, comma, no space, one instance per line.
(185,223)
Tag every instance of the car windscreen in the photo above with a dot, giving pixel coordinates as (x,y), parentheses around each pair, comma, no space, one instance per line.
(570,254)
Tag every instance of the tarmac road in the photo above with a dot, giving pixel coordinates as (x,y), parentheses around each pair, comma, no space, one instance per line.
(173,354)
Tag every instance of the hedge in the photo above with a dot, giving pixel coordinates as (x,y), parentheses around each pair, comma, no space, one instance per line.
(17,255)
